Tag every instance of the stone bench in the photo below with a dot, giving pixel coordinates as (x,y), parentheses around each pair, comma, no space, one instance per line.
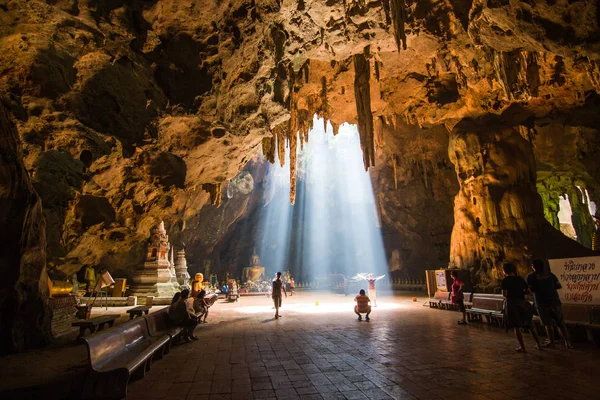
(488,306)
(138,311)
(117,355)
(95,324)
(438,297)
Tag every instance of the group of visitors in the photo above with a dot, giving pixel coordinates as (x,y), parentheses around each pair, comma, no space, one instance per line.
(188,312)
(518,311)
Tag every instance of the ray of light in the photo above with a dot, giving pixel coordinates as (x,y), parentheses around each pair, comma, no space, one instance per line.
(333,227)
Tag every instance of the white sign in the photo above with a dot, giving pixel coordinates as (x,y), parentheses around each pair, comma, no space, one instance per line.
(580,279)
(440,278)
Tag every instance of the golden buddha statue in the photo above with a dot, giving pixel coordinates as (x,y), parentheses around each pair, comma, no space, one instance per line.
(197,284)
(254,272)
(89,277)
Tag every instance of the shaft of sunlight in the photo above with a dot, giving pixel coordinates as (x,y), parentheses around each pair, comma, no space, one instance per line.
(332,231)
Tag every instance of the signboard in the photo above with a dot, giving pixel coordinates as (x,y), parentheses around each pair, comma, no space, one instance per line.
(580,279)
(440,279)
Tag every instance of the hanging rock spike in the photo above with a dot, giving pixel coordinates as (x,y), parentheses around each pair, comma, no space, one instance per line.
(398,16)
(362,95)
(214,189)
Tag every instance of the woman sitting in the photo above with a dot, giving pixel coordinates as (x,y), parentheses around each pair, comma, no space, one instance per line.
(179,316)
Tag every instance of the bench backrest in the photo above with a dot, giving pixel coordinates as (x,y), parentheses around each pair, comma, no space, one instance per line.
(492,302)
(158,322)
(577,313)
(442,295)
(596,315)
(467,296)
(107,345)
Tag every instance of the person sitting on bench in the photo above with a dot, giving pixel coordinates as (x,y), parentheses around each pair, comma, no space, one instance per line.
(200,307)
(179,316)
(362,305)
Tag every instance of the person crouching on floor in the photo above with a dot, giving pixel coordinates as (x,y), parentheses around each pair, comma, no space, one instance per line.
(179,316)
(362,305)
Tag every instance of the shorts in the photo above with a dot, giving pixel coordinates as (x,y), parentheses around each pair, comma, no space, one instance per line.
(277,301)
(518,313)
(551,315)
(461,305)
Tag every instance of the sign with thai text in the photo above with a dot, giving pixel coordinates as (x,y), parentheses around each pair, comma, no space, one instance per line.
(580,279)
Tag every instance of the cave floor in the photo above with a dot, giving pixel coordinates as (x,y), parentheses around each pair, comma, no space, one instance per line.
(407,351)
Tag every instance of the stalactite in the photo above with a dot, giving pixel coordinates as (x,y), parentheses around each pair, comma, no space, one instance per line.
(268,148)
(398,17)
(293,146)
(395,163)
(362,95)
(279,134)
(336,128)
(214,189)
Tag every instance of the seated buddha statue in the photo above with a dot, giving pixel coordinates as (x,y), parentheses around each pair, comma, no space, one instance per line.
(254,272)
(197,284)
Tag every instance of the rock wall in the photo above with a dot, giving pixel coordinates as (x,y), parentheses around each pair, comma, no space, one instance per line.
(24,312)
(498,213)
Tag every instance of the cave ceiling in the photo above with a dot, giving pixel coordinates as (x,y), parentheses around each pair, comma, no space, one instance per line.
(133,112)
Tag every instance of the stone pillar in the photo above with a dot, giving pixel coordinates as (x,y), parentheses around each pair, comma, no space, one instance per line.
(181,269)
(498,214)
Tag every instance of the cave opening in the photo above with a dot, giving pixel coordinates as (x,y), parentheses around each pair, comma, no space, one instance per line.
(571,221)
(333,230)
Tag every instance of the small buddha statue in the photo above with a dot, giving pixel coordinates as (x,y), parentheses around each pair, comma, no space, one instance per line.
(89,277)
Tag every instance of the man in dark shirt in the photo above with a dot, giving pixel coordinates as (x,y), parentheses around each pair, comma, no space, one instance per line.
(278,287)
(544,285)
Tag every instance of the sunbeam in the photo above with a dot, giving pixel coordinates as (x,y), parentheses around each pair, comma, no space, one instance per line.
(333,229)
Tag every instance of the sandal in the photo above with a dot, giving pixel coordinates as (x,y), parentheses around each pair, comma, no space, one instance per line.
(538,347)
(462,322)
(520,350)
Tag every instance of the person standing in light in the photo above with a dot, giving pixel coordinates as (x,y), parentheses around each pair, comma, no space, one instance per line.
(276,293)
(372,291)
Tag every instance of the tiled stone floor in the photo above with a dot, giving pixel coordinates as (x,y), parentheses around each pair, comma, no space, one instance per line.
(407,351)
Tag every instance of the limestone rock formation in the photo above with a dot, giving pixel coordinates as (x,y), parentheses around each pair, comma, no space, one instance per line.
(147,109)
(498,213)
(24,311)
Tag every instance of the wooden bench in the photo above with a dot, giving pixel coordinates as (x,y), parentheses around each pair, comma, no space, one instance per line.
(138,311)
(488,306)
(95,324)
(438,297)
(159,325)
(117,355)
